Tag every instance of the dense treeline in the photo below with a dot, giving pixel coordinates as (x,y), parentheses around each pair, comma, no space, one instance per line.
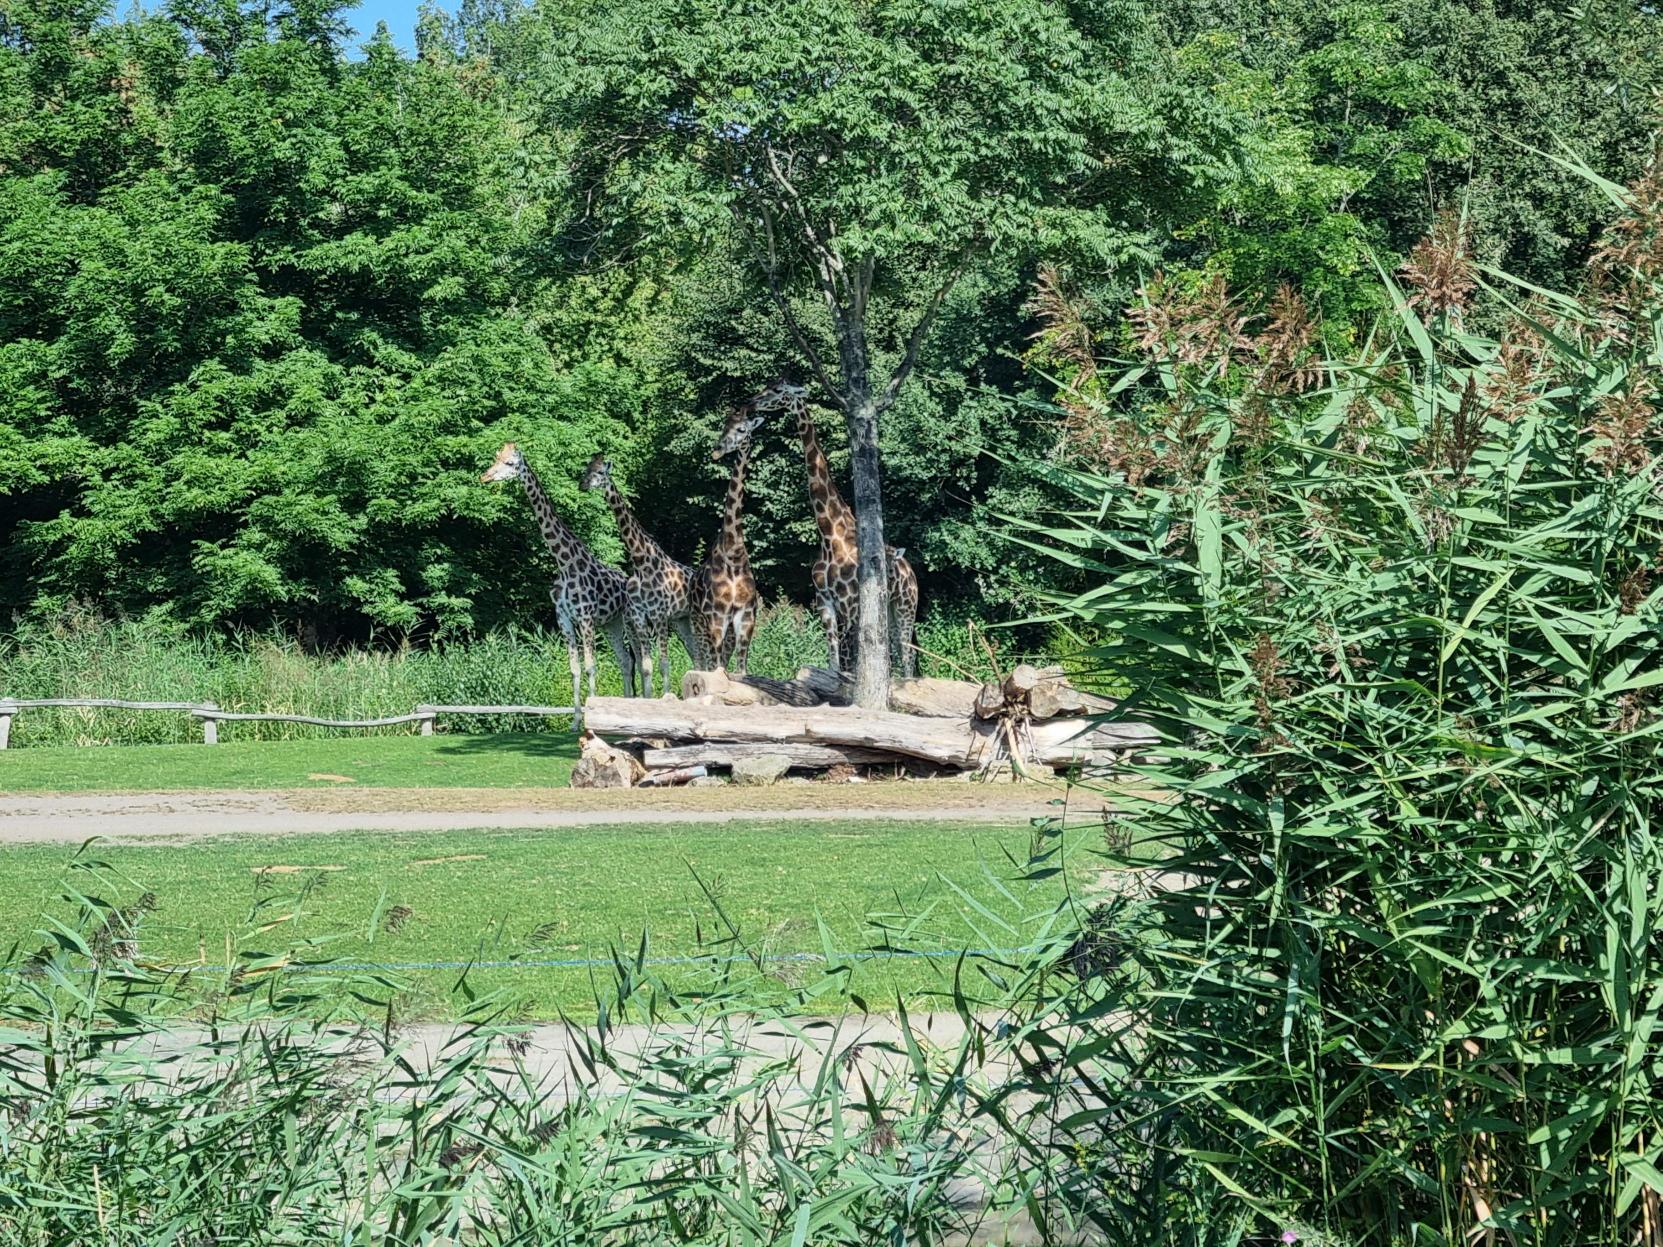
(269,300)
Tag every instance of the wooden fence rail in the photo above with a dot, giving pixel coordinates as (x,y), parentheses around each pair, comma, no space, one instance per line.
(212,716)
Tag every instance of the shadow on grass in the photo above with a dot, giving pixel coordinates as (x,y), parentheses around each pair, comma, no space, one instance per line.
(531,745)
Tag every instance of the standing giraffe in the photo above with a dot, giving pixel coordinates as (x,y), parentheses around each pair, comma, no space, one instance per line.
(724,592)
(586,591)
(836,571)
(658,588)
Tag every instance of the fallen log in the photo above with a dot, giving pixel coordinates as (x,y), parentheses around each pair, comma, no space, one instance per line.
(947,742)
(813,686)
(927,695)
(665,779)
(726,753)
(720,687)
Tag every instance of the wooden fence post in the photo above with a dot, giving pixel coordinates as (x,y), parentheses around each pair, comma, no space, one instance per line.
(6,713)
(210,727)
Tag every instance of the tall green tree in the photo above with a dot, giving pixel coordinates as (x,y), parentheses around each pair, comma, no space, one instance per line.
(868,153)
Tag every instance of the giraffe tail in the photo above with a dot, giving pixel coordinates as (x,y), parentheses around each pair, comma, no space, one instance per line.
(819,687)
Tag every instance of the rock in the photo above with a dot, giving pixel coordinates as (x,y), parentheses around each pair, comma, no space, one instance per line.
(707,781)
(603,766)
(761,771)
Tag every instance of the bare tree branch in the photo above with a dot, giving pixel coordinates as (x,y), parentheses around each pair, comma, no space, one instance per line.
(915,340)
(793,326)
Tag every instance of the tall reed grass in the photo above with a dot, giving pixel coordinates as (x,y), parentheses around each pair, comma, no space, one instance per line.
(149,1106)
(1401,615)
(82,654)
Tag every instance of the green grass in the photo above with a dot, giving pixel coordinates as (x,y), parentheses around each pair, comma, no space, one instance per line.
(769,887)
(504,760)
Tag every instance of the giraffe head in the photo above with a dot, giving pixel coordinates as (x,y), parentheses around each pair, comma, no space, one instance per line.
(736,434)
(598,475)
(782,393)
(507,466)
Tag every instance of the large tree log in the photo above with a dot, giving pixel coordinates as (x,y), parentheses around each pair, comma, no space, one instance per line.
(954,699)
(947,742)
(726,753)
(718,686)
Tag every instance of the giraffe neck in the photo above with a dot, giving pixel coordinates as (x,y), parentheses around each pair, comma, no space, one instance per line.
(732,540)
(566,546)
(831,513)
(643,550)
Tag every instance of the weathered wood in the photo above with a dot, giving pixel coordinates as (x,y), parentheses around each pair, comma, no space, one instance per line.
(947,742)
(1054,697)
(990,700)
(823,680)
(546,710)
(696,684)
(107,703)
(813,686)
(210,727)
(726,753)
(681,775)
(5,728)
(1020,682)
(209,714)
(931,696)
(718,686)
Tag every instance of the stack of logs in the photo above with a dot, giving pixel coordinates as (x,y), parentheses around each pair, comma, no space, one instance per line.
(1032,720)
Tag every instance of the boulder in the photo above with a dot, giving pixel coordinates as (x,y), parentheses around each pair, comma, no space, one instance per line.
(760,771)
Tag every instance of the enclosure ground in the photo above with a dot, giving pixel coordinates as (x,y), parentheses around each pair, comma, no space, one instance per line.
(707,898)
(508,759)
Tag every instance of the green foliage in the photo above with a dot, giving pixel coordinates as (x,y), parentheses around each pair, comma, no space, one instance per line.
(256,355)
(156,659)
(1374,115)
(1406,979)
(298,1110)
(266,310)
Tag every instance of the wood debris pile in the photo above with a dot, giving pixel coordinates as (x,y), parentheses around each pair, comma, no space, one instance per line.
(1032,721)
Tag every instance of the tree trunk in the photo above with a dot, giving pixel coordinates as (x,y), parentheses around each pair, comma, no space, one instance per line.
(872,656)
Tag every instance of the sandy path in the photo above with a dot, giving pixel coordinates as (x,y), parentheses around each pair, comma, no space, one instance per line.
(32,818)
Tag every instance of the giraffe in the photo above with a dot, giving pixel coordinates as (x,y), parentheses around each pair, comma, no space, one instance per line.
(658,588)
(724,592)
(586,591)
(836,571)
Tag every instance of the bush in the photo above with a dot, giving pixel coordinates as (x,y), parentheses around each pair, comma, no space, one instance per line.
(1400,616)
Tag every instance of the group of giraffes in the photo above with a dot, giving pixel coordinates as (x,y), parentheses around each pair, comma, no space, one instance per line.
(713,609)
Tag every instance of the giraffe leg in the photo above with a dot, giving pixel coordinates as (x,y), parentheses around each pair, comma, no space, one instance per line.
(639,637)
(744,625)
(903,620)
(586,638)
(684,630)
(827,607)
(618,637)
(569,632)
(663,662)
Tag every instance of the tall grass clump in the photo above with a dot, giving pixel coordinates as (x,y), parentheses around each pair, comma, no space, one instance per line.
(266,1100)
(83,654)
(1399,615)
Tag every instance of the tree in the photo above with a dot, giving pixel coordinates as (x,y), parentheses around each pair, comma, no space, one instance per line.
(867,153)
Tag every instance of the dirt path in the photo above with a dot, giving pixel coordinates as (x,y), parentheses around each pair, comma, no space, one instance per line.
(183,815)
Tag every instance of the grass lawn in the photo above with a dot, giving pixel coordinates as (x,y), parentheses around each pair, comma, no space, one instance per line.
(498,761)
(572,895)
